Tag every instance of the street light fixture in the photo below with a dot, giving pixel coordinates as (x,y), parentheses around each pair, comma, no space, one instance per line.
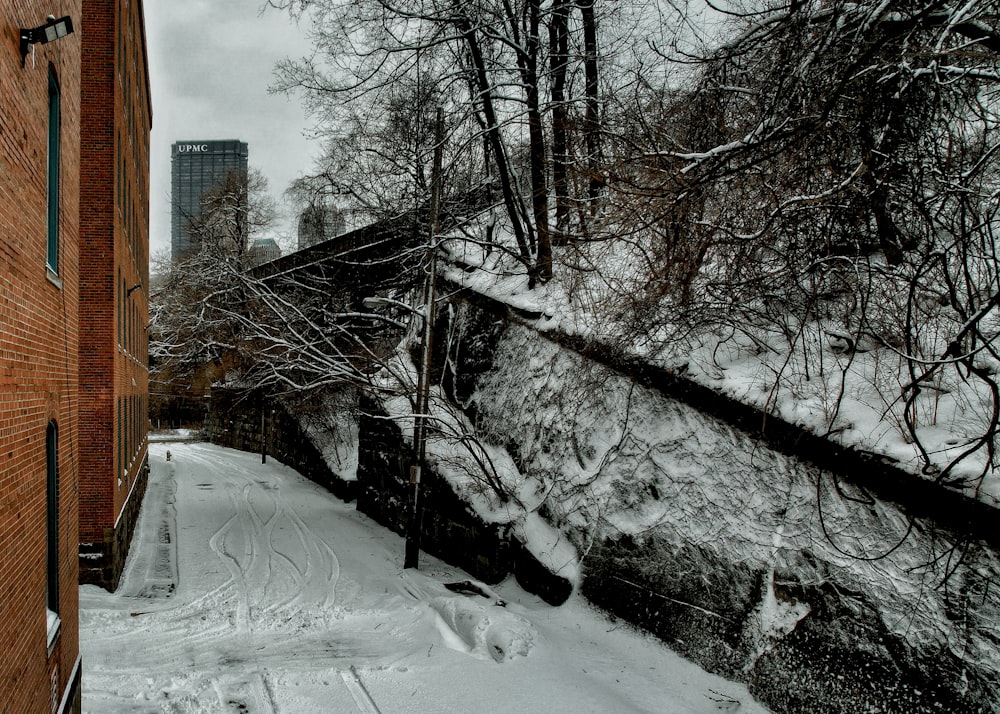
(421,412)
(52,30)
(374,301)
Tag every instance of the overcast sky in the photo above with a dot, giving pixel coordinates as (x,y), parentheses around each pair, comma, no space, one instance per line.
(210,64)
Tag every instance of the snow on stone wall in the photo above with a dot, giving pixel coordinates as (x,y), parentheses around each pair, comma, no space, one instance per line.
(753,563)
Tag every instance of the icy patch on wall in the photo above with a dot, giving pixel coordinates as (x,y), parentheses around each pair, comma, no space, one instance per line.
(819,376)
(775,616)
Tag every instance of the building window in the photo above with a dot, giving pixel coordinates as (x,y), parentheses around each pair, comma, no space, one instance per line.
(52,528)
(52,256)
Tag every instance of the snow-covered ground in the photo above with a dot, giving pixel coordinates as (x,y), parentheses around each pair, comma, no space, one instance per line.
(250,589)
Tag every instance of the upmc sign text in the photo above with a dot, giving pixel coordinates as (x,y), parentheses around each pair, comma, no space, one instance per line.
(187,148)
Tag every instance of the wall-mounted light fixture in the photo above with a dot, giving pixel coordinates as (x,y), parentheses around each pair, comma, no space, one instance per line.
(53,29)
(137,286)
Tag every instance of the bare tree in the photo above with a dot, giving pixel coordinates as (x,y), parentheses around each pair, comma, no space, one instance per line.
(233,212)
(829,164)
(507,93)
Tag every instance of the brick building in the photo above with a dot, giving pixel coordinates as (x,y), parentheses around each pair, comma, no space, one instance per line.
(39,400)
(114,285)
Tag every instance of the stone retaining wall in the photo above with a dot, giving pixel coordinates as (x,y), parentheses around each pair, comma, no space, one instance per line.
(236,421)
(449,529)
(822,594)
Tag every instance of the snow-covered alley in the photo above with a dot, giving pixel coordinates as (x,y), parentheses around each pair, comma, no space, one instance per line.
(250,589)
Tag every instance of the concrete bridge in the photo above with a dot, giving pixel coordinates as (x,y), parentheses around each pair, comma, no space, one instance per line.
(386,254)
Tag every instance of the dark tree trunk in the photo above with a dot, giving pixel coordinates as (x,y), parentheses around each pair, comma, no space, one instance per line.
(485,98)
(559,59)
(592,118)
(539,188)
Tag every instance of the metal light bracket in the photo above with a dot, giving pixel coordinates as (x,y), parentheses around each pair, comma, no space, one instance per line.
(52,30)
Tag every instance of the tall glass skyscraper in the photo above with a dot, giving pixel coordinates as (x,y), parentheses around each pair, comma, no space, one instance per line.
(196,167)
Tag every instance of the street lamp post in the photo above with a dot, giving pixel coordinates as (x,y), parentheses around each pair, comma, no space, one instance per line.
(414,512)
(421,414)
(421,404)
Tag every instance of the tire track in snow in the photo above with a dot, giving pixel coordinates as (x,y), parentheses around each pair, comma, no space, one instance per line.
(358,691)
(249,541)
(321,571)
(311,562)
(243,515)
(274,569)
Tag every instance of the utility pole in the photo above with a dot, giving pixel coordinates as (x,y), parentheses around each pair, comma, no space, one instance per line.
(424,378)
(263,429)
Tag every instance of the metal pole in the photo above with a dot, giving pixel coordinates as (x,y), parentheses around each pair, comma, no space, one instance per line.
(412,550)
(263,429)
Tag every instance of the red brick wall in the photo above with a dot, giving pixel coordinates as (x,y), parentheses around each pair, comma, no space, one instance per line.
(97,282)
(115,258)
(38,358)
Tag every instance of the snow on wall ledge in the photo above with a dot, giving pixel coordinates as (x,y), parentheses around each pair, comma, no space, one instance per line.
(755,564)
